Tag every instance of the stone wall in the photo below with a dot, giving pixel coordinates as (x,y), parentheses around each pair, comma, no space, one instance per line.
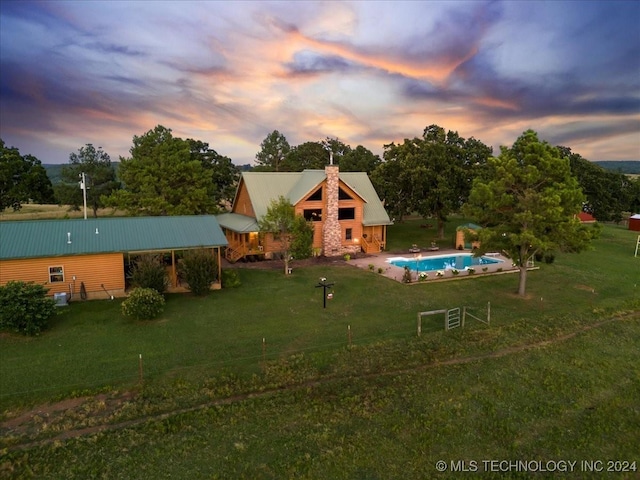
(331,231)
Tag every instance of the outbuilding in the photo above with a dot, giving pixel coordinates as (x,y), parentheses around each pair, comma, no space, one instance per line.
(634,222)
(461,242)
(88,258)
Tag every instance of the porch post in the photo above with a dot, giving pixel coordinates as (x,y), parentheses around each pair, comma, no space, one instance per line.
(174,280)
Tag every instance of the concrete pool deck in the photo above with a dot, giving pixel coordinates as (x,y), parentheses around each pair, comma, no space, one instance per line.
(381,260)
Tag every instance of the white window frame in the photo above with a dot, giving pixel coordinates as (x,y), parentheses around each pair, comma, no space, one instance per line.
(55,271)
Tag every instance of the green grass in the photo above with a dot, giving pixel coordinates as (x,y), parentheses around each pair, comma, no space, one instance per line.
(91,345)
(380,409)
(573,400)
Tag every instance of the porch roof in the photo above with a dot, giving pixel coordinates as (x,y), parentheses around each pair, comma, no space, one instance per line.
(238,223)
(51,238)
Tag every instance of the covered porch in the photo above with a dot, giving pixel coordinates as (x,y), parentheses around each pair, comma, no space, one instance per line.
(171,260)
(243,237)
(373,238)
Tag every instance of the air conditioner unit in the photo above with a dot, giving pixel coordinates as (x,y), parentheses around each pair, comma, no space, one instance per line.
(60,299)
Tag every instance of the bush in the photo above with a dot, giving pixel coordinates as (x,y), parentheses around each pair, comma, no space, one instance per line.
(143,304)
(199,269)
(25,308)
(149,272)
(230,279)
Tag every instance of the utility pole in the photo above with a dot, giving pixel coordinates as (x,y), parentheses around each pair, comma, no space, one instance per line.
(83,187)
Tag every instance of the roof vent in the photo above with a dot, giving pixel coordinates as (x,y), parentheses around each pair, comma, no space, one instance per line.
(97,231)
(68,237)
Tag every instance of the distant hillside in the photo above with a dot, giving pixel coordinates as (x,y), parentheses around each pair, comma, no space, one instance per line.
(54,171)
(626,166)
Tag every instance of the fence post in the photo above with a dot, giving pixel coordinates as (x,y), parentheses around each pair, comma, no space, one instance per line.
(488,313)
(349,334)
(264,348)
(419,324)
(140,376)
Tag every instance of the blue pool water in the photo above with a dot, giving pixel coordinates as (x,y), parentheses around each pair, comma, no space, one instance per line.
(442,262)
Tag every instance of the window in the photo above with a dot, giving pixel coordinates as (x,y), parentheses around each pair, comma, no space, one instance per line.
(56,275)
(342,195)
(316,196)
(346,213)
(348,234)
(313,214)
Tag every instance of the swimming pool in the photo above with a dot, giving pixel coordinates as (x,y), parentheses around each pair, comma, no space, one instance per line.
(442,262)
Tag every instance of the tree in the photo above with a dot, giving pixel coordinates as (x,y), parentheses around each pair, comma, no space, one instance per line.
(527,204)
(359,159)
(273,149)
(100,178)
(22,179)
(309,155)
(167,175)
(608,194)
(392,182)
(224,174)
(289,229)
(431,175)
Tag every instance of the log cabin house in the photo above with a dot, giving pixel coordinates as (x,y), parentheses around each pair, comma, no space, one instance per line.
(88,258)
(344,208)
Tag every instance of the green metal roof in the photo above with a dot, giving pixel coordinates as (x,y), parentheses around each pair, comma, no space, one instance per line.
(50,238)
(374,212)
(266,186)
(238,223)
(470,226)
(263,187)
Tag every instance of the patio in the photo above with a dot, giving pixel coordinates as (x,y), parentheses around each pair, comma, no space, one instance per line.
(380,261)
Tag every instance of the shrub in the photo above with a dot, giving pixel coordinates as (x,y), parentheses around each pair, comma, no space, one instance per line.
(25,308)
(230,279)
(549,257)
(347,257)
(455,271)
(149,272)
(380,270)
(471,271)
(371,266)
(143,304)
(199,269)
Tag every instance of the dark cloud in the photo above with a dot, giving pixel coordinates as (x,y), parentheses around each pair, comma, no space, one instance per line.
(308,62)
(110,48)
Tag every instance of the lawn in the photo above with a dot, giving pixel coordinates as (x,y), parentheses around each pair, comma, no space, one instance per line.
(317,405)
(91,345)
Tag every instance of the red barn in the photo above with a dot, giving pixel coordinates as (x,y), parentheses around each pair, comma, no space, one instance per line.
(585,217)
(634,222)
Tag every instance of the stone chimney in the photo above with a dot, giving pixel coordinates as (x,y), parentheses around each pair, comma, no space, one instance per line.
(331,232)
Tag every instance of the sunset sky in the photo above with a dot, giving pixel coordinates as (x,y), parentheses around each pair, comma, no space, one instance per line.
(369,73)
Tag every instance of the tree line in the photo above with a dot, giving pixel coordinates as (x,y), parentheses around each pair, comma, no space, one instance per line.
(166,175)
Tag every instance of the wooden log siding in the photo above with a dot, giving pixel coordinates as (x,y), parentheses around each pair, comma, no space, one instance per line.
(94,270)
(243,204)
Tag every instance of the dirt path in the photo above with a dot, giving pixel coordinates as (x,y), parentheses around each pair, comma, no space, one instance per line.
(24,424)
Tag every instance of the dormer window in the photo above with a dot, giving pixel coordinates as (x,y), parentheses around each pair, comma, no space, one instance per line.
(342,195)
(316,196)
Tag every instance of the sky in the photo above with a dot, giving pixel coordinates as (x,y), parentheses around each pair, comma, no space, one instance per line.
(367,72)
